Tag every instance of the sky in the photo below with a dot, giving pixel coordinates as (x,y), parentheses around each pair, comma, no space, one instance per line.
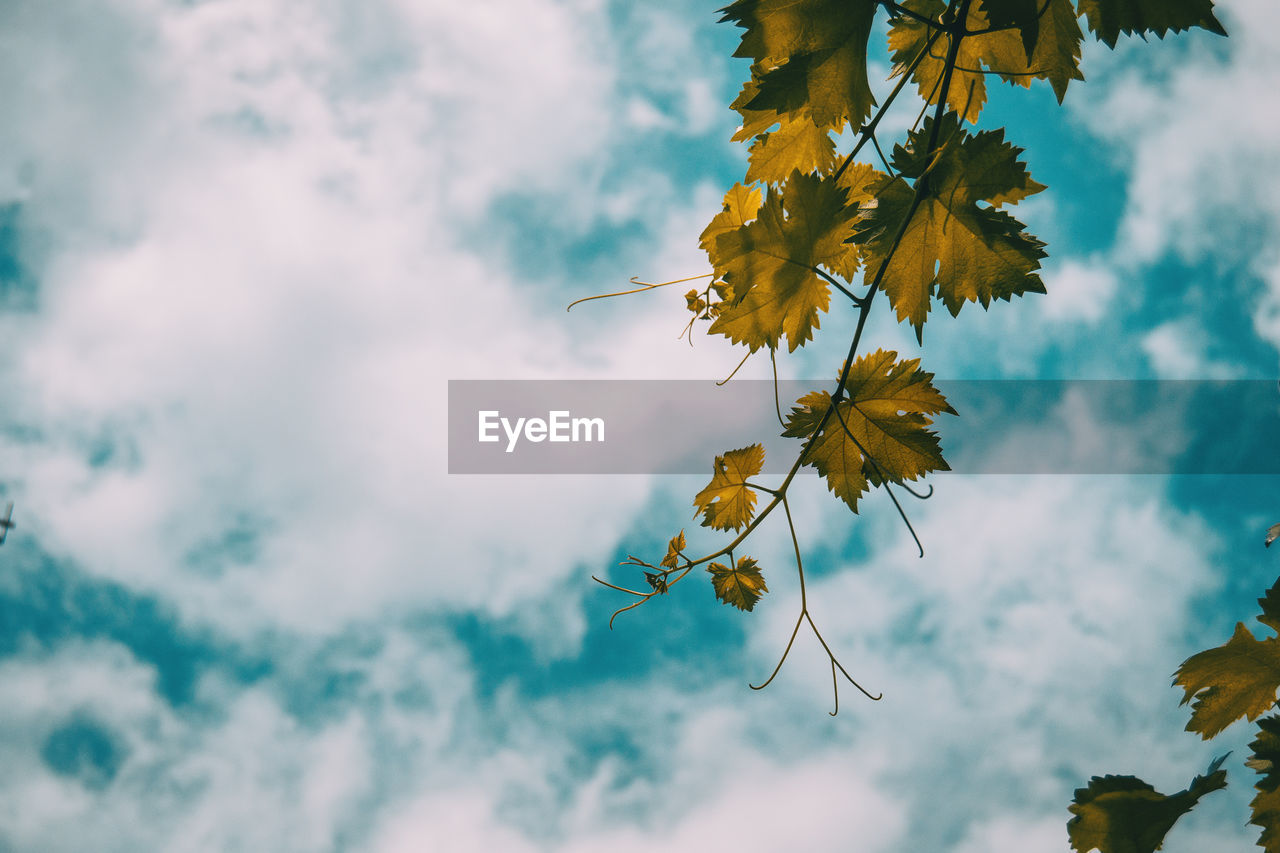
(245,245)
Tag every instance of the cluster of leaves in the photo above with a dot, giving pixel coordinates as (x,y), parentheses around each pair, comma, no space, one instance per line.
(1239,679)
(933,224)
(930,221)
(1123,814)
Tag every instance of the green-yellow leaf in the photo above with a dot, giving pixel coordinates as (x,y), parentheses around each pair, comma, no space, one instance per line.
(727,502)
(740,207)
(1123,814)
(741,585)
(810,57)
(798,145)
(1234,680)
(1022,15)
(1054,56)
(771,263)
(754,122)
(1270,603)
(967,91)
(674,547)
(1266,761)
(953,244)
(859,181)
(887,410)
(1108,18)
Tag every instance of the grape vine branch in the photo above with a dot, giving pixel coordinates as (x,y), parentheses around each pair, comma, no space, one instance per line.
(805,223)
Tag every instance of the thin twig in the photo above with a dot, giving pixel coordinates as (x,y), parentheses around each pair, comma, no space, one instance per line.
(869,129)
(989,30)
(644,286)
(777,404)
(896,10)
(736,369)
(884,477)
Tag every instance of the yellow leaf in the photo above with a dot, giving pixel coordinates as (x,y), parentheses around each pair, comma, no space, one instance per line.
(966,251)
(1055,58)
(740,586)
(798,145)
(772,263)
(1237,679)
(674,547)
(727,502)
(810,59)
(887,411)
(740,206)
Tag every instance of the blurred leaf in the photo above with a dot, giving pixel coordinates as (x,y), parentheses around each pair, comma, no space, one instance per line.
(1108,18)
(1123,814)
(1266,805)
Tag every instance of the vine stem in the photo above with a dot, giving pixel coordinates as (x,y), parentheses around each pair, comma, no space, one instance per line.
(806,616)
(956,15)
(869,129)
(922,185)
(864,309)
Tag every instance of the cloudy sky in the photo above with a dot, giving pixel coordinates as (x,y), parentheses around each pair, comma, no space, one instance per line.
(244,245)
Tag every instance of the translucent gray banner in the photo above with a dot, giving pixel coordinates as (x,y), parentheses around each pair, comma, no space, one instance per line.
(1003,427)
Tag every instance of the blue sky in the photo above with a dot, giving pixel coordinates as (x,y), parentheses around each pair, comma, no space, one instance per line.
(243,247)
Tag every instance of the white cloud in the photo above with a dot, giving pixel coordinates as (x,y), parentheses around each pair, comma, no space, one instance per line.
(1179,349)
(270,336)
(1078,291)
(264,264)
(1195,122)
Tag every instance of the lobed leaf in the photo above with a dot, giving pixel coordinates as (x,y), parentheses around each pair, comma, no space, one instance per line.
(1123,814)
(674,547)
(887,410)
(952,245)
(772,262)
(1237,679)
(1022,15)
(1270,604)
(1034,46)
(727,502)
(1266,805)
(740,207)
(742,585)
(810,58)
(1108,18)
(797,146)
